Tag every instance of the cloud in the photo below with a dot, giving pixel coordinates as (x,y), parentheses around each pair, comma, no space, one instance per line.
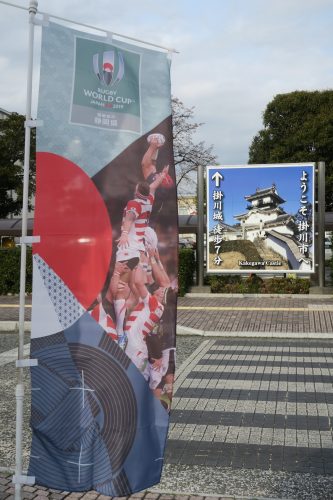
(234,56)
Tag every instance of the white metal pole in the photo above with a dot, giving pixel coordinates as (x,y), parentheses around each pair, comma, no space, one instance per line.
(33,4)
(201,222)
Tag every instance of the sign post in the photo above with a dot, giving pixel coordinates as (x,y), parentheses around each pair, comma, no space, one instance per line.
(321,224)
(201,216)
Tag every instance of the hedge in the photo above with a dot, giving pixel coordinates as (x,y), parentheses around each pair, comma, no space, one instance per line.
(331,259)
(10,277)
(255,284)
(10,263)
(186,270)
(10,270)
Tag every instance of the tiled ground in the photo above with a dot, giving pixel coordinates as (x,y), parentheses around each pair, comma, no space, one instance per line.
(233,314)
(259,314)
(41,493)
(255,404)
(250,417)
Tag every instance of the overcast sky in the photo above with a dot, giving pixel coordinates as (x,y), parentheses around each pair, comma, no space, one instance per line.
(235,55)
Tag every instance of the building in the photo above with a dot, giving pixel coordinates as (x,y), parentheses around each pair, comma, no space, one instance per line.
(4,114)
(187,204)
(266,222)
(264,213)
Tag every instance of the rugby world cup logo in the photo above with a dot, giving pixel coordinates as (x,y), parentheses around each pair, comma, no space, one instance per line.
(110,72)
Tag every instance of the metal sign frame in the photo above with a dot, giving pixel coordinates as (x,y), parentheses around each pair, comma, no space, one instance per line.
(290,242)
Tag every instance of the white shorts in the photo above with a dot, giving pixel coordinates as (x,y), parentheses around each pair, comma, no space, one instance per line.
(127,254)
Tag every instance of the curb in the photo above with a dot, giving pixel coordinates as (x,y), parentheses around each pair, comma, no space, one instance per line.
(186,330)
(259,295)
(13,326)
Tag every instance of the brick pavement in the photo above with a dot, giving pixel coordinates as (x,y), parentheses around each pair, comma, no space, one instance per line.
(257,314)
(9,310)
(233,314)
(41,493)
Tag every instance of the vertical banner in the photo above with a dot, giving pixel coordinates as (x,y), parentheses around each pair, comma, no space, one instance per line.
(260,218)
(105,269)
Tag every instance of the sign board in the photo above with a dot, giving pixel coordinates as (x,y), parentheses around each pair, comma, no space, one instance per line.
(260,218)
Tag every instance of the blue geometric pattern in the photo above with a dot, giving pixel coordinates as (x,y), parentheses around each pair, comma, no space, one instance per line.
(68,309)
(95,421)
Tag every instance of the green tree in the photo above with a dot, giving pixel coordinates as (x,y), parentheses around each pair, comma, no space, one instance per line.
(188,154)
(12,134)
(298,127)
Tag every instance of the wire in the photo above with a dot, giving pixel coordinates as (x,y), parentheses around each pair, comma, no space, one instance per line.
(107,32)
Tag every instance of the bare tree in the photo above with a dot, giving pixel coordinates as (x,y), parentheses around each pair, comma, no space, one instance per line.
(188,154)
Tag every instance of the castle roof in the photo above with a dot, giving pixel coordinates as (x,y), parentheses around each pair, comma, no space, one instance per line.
(261,193)
(282,220)
(263,209)
(227,227)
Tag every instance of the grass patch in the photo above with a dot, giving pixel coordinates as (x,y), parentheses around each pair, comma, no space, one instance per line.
(245,247)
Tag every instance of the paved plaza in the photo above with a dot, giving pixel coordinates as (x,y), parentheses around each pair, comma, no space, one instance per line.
(276,316)
(261,315)
(255,404)
(251,418)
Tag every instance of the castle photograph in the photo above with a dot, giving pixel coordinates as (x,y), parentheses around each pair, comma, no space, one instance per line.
(261,218)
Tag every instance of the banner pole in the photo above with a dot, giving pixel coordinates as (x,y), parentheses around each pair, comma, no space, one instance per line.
(201,215)
(33,4)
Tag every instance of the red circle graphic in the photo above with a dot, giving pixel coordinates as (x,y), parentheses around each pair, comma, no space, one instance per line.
(74,227)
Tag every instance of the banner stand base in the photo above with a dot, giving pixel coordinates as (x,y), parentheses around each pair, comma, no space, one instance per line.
(29,480)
